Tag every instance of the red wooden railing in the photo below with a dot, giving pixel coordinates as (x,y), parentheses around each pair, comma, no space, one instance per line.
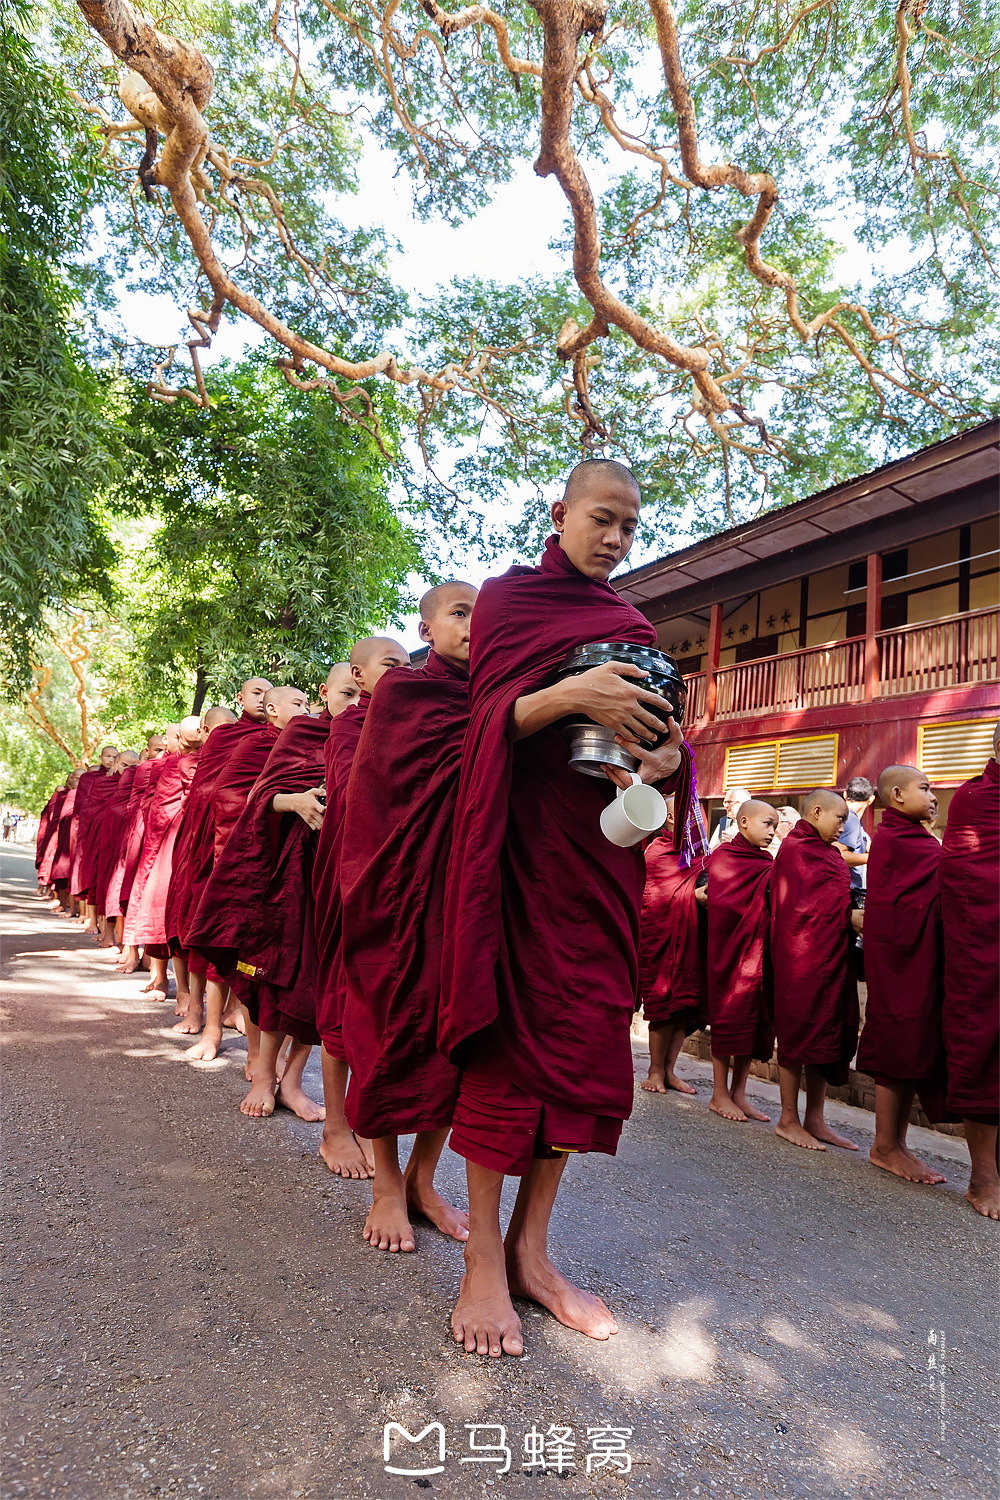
(913,659)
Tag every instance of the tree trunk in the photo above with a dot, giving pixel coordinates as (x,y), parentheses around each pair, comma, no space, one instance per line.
(200,690)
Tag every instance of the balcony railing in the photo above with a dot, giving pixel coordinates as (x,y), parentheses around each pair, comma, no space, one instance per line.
(914,659)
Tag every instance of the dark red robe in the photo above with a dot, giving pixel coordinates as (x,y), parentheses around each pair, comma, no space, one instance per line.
(740,988)
(970,909)
(111,838)
(97,832)
(394,859)
(539,970)
(673,933)
(341,746)
(255,918)
(81,876)
(194,851)
(236,781)
(141,795)
(145,919)
(47,838)
(65,847)
(815,990)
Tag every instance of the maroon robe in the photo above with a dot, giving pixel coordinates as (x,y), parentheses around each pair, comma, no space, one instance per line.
(194,851)
(236,780)
(97,832)
(255,918)
(815,991)
(673,980)
(141,795)
(47,838)
(394,858)
(740,989)
(112,835)
(145,919)
(81,875)
(539,970)
(970,909)
(65,848)
(902,1041)
(341,745)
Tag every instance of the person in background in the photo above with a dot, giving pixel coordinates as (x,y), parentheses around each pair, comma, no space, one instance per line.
(787,819)
(732,801)
(854,843)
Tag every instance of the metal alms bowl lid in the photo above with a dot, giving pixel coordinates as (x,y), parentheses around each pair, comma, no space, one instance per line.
(657,663)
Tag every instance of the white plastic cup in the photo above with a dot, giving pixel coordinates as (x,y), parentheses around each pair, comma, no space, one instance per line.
(636,812)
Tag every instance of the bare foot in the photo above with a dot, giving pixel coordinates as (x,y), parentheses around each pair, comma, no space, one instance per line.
(387,1226)
(675,1081)
(234,1020)
(292,1096)
(655,1082)
(823,1132)
(259,1103)
(577,1309)
(798,1136)
(344,1156)
(152,993)
(932,1175)
(985,1200)
(750,1110)
(188,1025)
(207,1050)
(903,1164)
(429,1203)
(722,1104)
(484,1320)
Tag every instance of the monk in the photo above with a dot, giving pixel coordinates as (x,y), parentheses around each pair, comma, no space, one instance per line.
(109,832)
(339,690)
(62,854)
(370,660)
(46,826)
(123,874)
(396,838)
(48,841)
(970,909)
(815,991)
(740,999)
(228,791)
(673,981)
(144,919)
(902,1045)
(81,879)
(539,969)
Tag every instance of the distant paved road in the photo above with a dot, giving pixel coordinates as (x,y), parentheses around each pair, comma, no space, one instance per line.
(191,1311)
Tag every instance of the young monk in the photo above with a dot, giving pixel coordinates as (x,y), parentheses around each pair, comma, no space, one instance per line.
(62,854)
(740,999)
(970,908)
(48,848)
(539,968)
(815,992)
(901,1044)
(339,690)
(81,879)
(339,1148)
(396,837)
(123,875)
(673,933)
(110,832)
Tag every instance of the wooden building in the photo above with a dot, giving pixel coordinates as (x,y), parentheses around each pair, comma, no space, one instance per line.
(847,632)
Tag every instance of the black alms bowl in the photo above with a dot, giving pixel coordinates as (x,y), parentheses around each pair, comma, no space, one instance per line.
(591,745)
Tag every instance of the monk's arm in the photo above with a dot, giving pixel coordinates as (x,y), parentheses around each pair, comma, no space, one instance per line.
(306,804)
(608,695)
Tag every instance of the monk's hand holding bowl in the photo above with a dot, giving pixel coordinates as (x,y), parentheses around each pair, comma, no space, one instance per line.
(654,765)
(306,804)
(612,694)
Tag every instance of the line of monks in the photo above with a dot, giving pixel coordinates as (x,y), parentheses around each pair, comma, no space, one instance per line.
(414,878)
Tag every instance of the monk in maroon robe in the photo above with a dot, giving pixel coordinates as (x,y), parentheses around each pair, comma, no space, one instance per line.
(48,839)
(339,690)
(815,990)
(970,909)
(902,1046)
(740,998)
(82,876)
(46,826)
(123,874)
(110,831)
(673,979)
(539,970)
(62,854)
(394,857)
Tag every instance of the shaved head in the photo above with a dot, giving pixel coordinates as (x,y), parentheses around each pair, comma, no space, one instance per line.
(597,471)
(109,754)
(172,738)
(189,731)
(282,704)
(823,797)
(754,807)
(339,690)
(893,777)
(213,717)
(446,621)
(251,698)
(438,598)
(373,657)
(827,811)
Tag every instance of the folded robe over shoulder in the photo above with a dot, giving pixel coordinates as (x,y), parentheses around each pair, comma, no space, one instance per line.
(48,836)
(815,991)
(394,859)
(257,905)
(673,979)
(331,996)
(970,909)
(145,919)
(236,782)
(539,969)
(902,1038)
(81,876)
(740,989)
(111,835)
(123,876)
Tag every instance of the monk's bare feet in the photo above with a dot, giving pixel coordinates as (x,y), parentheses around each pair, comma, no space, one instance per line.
(344,1156)
(259,1103)
(675,1081)
(484,1320)
(153,990)
(985,1199)
(655,1082)
(292,1096)
(388,1226)
(797,1135)
(207,1049)
(428,1202)
(823,1132)
(188,1025)
(722,1104)
(90,928)
(577,1309)
(750,1110)
(903,1163)
(233,1020)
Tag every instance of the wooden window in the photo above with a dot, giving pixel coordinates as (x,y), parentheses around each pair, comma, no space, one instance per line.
(954,751)
(783,765)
